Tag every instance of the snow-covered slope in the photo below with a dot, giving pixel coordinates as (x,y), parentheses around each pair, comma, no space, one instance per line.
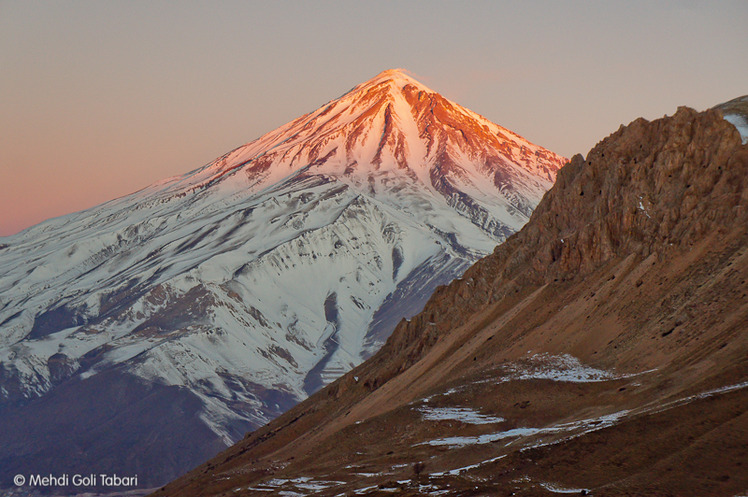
(255,280)
(736,113)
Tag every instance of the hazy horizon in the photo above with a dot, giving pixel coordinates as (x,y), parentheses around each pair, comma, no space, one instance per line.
(103,99)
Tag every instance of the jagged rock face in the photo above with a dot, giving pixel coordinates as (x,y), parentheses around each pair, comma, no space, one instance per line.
(601,348)
(649,187)
(246,285)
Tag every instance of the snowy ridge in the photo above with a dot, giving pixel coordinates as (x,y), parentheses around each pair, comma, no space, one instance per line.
(257,279)
(735,112)
(741,124)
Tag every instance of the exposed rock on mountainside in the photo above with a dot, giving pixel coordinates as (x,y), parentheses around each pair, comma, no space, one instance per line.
(601,349)
(648,187)
(230,293)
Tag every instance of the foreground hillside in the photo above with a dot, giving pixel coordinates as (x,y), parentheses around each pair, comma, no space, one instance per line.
(602,349)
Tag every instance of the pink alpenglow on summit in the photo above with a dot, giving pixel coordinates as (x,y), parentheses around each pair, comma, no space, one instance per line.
(392,129)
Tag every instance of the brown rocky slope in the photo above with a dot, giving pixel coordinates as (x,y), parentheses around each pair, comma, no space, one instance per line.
(602,349)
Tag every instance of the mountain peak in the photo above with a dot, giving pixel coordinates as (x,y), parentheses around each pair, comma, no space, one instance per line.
(393,130)
(400,78)
(386,87)
(396,72)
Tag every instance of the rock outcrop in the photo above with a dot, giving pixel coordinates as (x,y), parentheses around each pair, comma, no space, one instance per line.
(601,349)
(649,188)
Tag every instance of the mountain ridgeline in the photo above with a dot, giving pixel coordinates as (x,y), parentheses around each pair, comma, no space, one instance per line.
(602,349)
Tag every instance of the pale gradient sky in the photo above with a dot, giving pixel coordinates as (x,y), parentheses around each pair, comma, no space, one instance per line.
(101,98)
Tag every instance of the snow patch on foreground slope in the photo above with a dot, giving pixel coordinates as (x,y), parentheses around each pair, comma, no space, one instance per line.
(576,427)
(462,414)
(565,368)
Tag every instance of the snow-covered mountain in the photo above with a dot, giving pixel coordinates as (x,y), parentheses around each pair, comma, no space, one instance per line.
(251,282)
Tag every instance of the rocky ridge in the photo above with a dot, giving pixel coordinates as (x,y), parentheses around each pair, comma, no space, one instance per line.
(604,345)
(649,187)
